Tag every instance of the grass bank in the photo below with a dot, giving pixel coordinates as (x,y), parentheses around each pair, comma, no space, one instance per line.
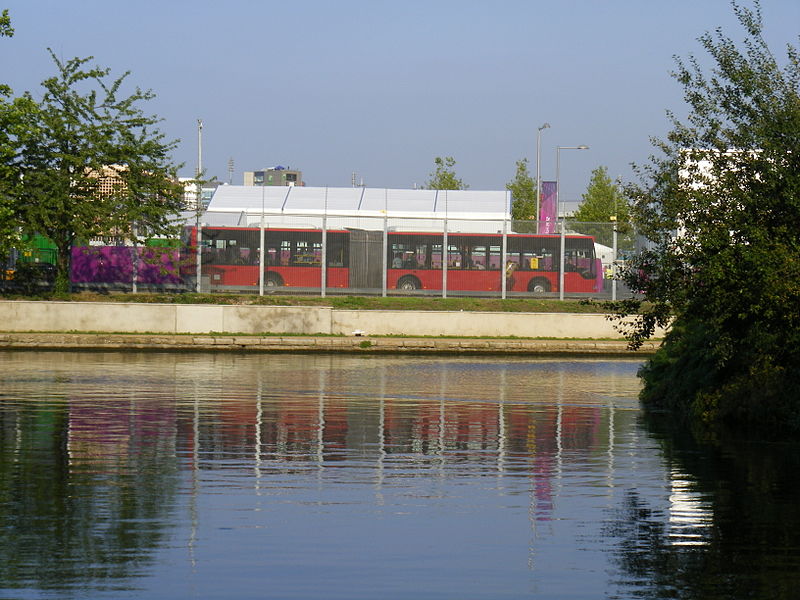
(423,303)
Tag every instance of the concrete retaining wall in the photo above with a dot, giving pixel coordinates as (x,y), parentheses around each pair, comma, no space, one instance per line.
(161,318)
(474,324)
(24,316)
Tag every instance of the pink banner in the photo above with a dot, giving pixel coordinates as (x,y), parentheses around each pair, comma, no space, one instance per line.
(548,211)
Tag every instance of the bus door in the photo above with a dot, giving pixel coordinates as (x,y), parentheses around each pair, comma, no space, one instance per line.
(366,259)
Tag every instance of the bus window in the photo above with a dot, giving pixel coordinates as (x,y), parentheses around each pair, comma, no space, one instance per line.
(579,260)
(543,259)
(336,256)
(405,254)
(478,257)
(455,257)
(337,252)
(495,257)
(399,253)
(306,253)
(285,253)
(229,246)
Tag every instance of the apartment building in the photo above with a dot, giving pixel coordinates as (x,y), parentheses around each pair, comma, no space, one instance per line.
(274,176)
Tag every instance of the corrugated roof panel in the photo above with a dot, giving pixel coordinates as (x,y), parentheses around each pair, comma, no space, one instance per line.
(230,198)
(374,199)
(475,201)
(412,200)
(338,198)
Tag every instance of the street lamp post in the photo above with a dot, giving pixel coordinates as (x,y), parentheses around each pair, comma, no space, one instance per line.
(558,171)
(539,168)
(558,210)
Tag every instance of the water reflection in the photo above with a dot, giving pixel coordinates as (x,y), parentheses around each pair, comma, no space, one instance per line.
(124,475)
(733,502)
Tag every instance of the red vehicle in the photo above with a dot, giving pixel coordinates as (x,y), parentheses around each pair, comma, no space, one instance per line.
(414,261)
(475,262)
(231,257)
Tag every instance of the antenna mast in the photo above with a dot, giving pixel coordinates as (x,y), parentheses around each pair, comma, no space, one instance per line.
(199,148)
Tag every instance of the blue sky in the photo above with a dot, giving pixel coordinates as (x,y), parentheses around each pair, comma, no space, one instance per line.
(381,88)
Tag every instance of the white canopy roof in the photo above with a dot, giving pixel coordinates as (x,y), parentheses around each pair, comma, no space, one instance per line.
(405,210)
(360,201)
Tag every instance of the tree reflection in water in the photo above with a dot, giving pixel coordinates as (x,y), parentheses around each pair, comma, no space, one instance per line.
(73,513)
(126,470)
(743,530)
(112,467)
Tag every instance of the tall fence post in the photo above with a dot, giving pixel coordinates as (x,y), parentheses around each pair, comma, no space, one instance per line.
(199,257)
(561,259)
(323,281)
(134,262)
(261,256)
(445,249)
(614,264)
(445,256)
(385,242)
(503,261)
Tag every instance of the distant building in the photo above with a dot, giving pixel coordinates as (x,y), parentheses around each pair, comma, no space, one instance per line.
(110,181)
(275,176)
(190,192)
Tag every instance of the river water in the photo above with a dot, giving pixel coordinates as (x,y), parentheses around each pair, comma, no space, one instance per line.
(167,475)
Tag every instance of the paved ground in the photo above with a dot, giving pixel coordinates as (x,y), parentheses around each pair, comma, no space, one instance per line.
(355,344)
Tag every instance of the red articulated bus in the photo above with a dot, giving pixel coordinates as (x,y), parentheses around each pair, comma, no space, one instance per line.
(475,262)
(415,260)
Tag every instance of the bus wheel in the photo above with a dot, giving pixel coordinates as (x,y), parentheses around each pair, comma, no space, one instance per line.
(273,280)
(408,283)
(539,285)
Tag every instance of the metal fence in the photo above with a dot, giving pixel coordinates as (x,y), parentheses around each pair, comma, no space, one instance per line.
(391,255)
(386,255)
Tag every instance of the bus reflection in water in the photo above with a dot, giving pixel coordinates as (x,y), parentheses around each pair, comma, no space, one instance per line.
(414,261)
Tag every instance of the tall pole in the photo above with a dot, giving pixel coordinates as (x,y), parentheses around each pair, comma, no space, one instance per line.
(539,168)
(199,147)
(199,207)
(558,174)
(261,252)
(324,258)
(563,217)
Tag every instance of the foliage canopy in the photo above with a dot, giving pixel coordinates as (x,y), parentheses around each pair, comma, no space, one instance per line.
(720,208)
(9,232)
(602,205)
(444,177)
(88,161)
(5,24)
(523,193)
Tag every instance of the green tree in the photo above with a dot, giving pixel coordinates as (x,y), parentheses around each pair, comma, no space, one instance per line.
(444,177)
(9,118)
(82,135)
(602,205)
(721,208)
(5,24)
(13,114)
(523,194)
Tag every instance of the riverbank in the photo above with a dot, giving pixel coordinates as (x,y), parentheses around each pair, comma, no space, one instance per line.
(21,316)
(317,344)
